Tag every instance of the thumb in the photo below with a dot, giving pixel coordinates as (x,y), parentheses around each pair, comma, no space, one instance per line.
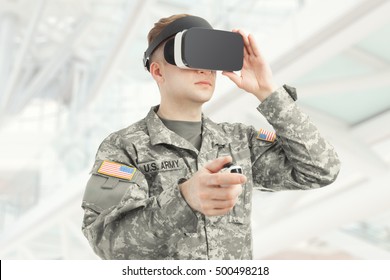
(217,164)
(233,77)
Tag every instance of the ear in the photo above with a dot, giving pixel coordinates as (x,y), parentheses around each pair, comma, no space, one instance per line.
(157,71)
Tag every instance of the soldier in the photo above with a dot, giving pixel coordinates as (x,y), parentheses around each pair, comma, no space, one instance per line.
(156,191)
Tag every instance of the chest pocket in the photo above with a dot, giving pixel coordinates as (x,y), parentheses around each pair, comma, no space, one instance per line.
(163,173)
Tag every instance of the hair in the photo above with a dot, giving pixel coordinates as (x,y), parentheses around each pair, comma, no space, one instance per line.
(158,28)
(161,24)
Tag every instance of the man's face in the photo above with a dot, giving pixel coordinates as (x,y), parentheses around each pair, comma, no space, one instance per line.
(185,85)
(191,85)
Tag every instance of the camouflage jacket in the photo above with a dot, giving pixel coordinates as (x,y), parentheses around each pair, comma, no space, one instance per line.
(145,216)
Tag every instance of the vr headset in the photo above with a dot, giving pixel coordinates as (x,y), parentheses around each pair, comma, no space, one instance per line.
(191,43)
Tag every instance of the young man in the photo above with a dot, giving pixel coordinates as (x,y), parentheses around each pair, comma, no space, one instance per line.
(156,190)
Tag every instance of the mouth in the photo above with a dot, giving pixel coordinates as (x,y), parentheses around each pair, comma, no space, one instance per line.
(205,83)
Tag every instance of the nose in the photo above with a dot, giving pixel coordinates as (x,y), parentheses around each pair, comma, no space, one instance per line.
(205,71)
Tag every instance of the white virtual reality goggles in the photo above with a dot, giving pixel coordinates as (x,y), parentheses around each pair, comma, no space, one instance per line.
(191,43)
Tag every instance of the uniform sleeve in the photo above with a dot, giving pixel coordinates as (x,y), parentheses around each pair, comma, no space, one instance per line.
(121,220)
(299,158)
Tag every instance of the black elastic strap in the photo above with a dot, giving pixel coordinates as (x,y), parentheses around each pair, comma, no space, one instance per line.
(173,28)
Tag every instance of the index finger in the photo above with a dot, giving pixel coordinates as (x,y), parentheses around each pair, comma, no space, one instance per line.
(247,47)
(253,45)
(218,179)
(217,164)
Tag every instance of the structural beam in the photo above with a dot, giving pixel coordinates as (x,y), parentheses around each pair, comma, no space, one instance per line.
(129,31)
(344,32)
(20,58)
(375,62)
(302,53)
(335,87)
(7,30)
(52,67)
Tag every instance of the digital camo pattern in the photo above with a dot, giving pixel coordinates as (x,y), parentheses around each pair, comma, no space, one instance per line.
(147,218)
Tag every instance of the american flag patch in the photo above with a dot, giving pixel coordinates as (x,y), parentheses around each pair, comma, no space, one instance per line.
(266,135)
(117,170)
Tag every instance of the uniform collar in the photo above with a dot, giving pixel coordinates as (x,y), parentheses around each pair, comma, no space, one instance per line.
(160,134)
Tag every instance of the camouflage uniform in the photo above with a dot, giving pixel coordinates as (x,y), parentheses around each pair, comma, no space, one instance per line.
(147,218)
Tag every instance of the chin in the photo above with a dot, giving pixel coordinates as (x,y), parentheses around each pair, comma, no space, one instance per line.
(205,97)
(201,100)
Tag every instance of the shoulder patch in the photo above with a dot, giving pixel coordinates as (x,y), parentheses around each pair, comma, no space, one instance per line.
(266,135)
(117,170)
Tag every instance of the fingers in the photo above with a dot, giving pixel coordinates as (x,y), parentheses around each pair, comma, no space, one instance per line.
(228,198)
(215,212)
(224,205)
(218,179)
(247,46)
(217,164)
(203,192)
(253,45)
(233,77)
(250,45)
(228,193)
(214,178)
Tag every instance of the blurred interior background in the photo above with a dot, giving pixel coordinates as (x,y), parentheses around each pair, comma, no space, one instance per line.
(71,73)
